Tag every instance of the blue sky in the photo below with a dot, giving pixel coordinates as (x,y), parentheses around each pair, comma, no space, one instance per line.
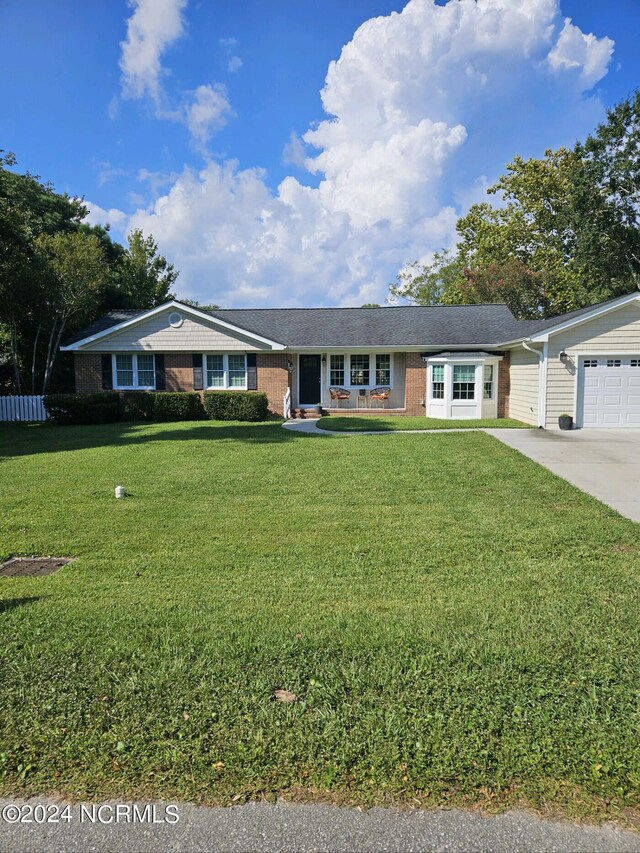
(290,153)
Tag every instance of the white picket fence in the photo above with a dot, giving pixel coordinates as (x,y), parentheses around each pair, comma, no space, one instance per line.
(24,408)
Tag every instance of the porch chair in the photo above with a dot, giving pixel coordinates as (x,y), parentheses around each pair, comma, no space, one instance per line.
(380,395)
(337,395)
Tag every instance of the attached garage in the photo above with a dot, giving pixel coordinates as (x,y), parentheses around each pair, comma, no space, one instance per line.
(609,391)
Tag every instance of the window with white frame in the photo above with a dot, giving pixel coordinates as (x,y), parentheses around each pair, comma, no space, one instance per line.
(226,370)
(135,371)
(383,368)
(359,369)
(488,382)
(437,382)
(336,377)
(464,381)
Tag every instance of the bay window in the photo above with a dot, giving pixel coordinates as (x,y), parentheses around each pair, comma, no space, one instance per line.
(226,370)
(134,371)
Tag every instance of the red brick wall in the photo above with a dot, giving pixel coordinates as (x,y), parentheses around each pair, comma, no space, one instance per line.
(415,384)
(178,370)
(88,371)
(273,378)
(504,385)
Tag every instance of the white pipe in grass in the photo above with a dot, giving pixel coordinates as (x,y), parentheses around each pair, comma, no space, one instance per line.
(120,493)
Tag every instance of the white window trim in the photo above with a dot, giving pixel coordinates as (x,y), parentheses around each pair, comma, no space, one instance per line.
(445,404)
(225,367)
(372,370)
(134,366)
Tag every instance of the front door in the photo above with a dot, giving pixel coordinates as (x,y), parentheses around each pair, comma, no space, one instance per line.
(309,367)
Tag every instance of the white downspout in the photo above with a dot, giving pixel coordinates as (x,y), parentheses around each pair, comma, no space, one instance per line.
(542,381)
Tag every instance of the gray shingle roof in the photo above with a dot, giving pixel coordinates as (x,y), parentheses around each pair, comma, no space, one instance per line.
(448,325)
(403,326)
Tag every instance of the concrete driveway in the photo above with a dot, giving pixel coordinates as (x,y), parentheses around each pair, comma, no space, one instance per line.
(604,463)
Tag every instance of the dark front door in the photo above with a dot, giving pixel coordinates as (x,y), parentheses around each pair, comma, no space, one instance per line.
(309,366)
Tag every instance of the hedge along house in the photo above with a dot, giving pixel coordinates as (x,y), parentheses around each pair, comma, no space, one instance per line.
(450,362)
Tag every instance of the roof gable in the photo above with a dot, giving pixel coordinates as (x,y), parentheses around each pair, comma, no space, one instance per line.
(133,328)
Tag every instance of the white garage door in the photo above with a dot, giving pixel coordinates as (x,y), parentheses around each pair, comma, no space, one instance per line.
(610,391)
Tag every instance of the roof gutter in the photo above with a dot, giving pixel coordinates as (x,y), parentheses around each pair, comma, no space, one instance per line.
(542,381)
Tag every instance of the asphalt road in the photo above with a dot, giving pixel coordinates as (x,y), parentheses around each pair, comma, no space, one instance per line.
(285,827)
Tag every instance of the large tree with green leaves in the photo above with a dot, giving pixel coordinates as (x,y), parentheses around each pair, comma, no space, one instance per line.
(78,274)
(146,278)
(565,234)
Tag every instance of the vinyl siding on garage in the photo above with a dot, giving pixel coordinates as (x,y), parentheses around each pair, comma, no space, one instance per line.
(610,334)
(156,335)
(523,396)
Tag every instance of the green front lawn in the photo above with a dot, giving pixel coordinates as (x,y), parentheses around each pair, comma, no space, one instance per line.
(393,423)
(458,625)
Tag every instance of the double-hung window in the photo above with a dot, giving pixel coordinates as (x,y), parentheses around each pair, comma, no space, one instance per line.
(464,381)
(135,371)
(437,382)
(383,369)
(226,370)
(336,368)
(360,369)
(488,382)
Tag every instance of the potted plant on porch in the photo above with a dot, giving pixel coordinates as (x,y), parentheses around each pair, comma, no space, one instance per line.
(565,421)
(318,408)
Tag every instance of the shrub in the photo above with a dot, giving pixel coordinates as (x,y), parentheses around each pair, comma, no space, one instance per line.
(99,408)
(139,405)
(177,406)
(236,405)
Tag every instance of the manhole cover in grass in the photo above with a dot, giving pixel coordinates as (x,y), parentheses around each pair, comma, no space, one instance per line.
(32,567)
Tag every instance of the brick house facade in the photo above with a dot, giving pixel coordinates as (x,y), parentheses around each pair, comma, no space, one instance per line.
(263,350)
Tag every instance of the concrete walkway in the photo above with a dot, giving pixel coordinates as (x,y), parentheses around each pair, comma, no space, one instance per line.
(604,463)
(305,828)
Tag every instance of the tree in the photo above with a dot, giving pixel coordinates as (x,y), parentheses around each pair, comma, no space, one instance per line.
(78,275)
(610,173)
(565,235)
(28,208)
(512,283)
(145,276)
(195,304)
(428,284)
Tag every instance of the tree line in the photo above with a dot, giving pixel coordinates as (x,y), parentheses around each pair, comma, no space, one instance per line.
(58,274)
(564,233)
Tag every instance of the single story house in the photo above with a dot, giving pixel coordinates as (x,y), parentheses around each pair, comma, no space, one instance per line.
(458,361)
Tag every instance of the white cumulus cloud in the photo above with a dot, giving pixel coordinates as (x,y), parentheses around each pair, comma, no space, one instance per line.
(423,108)
(583,53)
(153,26)
(209,111)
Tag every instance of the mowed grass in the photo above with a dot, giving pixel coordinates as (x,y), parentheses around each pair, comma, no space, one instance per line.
(394,423)
(458,625)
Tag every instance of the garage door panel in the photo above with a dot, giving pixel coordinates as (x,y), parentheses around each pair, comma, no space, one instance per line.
(610,395)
